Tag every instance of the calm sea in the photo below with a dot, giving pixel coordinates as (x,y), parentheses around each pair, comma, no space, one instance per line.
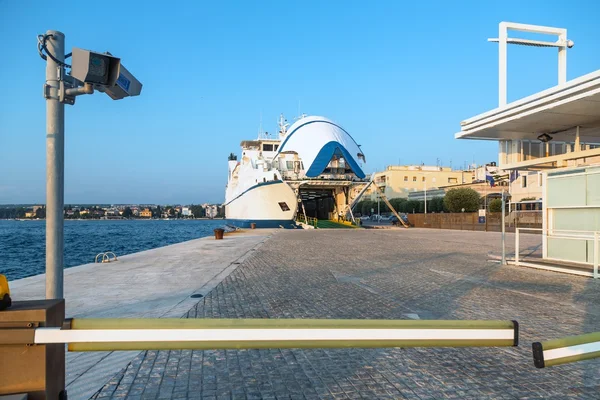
(23,243)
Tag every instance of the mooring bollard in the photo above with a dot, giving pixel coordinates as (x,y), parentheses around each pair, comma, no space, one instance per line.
(219,233)
(253,225)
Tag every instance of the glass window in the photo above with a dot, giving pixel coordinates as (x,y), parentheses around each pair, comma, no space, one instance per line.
(524,181)
(267,147)
(414,178)
(276,147)
(284,206)
(289,165)
(406,179)
(452,180)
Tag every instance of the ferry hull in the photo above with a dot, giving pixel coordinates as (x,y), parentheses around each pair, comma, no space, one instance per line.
(268,205)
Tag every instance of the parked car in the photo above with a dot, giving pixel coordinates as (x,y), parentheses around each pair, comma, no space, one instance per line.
(394,219)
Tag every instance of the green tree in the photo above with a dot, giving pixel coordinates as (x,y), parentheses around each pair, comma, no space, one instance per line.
(127,213)
(366,207)
(457,199)
(40,213)
(198,211)
(76,214)
(495,205)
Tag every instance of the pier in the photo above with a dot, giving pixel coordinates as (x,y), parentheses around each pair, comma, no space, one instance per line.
(345,274)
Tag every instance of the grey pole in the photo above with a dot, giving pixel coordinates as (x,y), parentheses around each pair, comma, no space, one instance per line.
(55,160)
(503,230)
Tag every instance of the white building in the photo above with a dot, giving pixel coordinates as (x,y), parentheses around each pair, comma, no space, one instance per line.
(211,210)
(552,140)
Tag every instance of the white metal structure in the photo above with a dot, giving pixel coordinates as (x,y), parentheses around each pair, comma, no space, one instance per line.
(503,40)
(576,237)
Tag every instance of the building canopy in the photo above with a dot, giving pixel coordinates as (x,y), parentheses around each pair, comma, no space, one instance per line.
(557,112)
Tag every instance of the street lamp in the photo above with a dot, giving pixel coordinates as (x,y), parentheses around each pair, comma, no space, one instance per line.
(89,71)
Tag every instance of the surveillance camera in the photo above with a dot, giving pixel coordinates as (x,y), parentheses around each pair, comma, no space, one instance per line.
(95,68)
(570,44)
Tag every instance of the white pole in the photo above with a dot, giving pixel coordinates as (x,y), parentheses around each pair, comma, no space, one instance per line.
(562,59)
(504,232)
(425,184)
(502,38)
(596,255)
(55,147)
(517,245)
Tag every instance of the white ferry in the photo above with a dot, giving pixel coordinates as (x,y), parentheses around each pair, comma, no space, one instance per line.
(314,168)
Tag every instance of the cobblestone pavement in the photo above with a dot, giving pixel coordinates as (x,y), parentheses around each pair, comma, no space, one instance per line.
(380,274)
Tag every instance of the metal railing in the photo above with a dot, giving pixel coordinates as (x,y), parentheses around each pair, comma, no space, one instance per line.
(562,234)
(106,257)
(307,220)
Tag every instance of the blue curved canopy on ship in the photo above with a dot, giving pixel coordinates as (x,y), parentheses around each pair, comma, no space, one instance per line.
(316,140)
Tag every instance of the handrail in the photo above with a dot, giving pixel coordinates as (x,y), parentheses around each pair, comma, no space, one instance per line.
(106,257)
(570,234)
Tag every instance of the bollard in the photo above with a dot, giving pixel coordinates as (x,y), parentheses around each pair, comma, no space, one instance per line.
(253,225)
(219,233)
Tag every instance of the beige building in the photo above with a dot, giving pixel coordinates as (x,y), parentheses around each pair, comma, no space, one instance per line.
(398,181)
(146,213)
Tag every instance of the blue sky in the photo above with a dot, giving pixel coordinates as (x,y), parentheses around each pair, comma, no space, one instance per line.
(399,76)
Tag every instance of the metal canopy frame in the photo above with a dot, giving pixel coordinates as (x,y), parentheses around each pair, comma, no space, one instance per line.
(561,43)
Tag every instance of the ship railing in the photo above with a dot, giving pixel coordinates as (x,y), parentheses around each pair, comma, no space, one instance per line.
(307,220)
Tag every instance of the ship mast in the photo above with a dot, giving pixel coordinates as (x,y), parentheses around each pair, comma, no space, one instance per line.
(282,126)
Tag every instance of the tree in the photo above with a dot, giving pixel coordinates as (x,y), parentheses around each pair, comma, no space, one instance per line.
(127,213)
(198,211)
(40,213)
(365,208)
(496,205)
(76,214)
(457,199)
(436,204)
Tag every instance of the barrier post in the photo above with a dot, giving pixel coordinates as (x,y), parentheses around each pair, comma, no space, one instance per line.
(596,256)
(517,232)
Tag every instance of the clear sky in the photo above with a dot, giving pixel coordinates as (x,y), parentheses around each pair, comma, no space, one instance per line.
(398,75)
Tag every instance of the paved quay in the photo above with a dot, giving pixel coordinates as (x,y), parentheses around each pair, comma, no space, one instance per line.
(155,283)
(396,274)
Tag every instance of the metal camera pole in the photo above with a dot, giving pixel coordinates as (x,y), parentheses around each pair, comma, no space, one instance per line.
(55,166)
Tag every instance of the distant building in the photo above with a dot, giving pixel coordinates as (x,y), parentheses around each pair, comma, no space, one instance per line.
(186,212)
(29,214)
(146,213)
(211,210)
(397,181)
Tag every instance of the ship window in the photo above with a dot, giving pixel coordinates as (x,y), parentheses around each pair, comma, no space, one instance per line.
(284,206)
(267,147)
(276,147)
(289,165)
